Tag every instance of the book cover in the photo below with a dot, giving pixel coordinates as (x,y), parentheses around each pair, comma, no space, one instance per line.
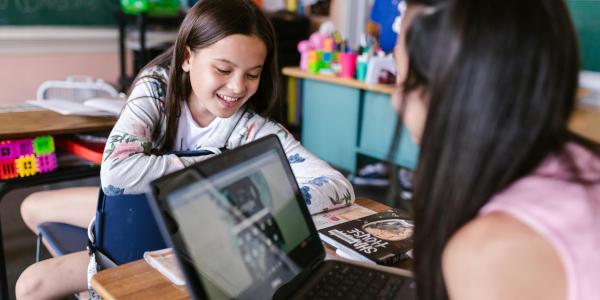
(340,215)
(382,238)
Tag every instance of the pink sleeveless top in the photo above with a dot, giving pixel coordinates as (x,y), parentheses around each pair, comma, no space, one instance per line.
(564,212)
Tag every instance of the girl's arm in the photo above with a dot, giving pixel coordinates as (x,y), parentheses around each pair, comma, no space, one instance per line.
(128,164)
(322,187)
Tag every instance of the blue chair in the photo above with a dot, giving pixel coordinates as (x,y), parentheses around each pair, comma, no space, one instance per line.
(62,238)
(124,229)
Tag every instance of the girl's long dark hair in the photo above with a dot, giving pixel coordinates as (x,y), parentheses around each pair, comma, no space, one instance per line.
(206,23)
(502,86)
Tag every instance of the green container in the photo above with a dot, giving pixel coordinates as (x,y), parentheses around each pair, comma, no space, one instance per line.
(151,7)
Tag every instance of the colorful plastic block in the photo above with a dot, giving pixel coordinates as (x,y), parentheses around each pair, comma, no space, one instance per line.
(314,61)
(46,163)
(25,146)
(303,48)
(8,169)
(43,145)
(27,157)
(9,150)
(328,45)
(326,60)
(26,165)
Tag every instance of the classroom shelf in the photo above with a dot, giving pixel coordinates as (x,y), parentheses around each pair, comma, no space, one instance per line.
(345,118)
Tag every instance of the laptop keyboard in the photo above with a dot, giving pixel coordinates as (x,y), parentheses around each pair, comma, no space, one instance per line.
(345,281)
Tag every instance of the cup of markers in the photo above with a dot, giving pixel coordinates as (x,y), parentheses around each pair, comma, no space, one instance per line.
(329,54)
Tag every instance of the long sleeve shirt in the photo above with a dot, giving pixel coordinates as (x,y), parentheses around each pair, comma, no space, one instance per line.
(129,163)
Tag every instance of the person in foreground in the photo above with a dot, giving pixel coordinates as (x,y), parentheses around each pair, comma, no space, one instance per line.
(507,198)
(213,90)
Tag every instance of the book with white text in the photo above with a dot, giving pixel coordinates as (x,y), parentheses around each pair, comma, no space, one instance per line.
(381,238)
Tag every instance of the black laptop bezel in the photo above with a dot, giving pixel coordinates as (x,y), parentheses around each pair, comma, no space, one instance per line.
(306,255)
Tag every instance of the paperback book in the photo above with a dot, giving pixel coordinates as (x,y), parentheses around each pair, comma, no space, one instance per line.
(383,238)
(164,261)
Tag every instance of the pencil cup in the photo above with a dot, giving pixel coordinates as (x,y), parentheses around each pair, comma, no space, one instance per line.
(347,64)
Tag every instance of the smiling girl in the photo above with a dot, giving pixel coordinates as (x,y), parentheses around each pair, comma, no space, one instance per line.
(213,90)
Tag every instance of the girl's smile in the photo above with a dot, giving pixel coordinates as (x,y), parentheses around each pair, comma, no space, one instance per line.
(223,76)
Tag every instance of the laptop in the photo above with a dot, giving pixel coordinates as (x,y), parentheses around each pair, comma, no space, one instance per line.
(240,229)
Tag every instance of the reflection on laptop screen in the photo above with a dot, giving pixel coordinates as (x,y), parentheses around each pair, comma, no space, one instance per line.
(238,227)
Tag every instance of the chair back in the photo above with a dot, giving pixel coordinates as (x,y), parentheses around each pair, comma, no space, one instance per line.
(125,227)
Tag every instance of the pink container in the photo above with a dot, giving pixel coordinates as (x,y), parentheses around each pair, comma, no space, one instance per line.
(347,64)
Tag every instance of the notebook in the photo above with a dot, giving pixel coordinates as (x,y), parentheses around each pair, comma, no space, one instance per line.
(240,229)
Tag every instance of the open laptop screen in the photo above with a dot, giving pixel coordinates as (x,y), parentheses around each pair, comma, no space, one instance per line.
(239,226)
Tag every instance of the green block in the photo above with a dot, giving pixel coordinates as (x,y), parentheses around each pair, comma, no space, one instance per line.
(43,145)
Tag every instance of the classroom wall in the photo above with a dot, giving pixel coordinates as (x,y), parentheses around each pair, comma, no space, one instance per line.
(23,73)
(30,56)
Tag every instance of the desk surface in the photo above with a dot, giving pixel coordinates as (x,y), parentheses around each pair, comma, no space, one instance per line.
(138,280)
(44,122)
(586,122)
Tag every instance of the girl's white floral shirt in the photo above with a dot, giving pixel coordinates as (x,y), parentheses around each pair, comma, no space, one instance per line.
(129,162)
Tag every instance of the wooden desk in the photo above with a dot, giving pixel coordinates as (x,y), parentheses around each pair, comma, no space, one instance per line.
(138,280)
(36,123)
(43,122)
(586,122)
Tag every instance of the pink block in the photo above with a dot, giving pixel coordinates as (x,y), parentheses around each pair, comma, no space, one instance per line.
(9,150)
(46,162)
(25,146)
(316,40)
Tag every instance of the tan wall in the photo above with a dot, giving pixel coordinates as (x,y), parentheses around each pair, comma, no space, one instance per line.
(31,55)
(22,74)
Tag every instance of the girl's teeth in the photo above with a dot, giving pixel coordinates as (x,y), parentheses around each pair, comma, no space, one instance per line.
(229,99)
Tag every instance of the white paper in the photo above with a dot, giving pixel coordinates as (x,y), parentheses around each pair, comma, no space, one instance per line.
(113,105)
(91,107)
(164,261)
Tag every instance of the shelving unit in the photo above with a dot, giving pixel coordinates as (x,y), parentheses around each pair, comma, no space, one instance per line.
(344,118)
(141,22)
